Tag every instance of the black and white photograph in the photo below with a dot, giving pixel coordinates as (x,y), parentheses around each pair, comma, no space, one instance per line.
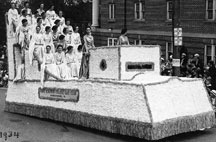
(107,70)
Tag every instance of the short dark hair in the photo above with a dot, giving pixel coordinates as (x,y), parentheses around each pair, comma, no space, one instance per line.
(57,21)
(59,46)
(24,11)
(47,28)
(54,28)
(79,48)
(123,31)
(65,29)
(43,13)
(69,48)
(38,19)
(61,37)
(24,20)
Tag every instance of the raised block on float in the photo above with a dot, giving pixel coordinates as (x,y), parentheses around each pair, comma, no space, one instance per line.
(123,63)
(31,71)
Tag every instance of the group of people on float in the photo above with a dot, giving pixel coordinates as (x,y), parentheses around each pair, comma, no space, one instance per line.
(50,41)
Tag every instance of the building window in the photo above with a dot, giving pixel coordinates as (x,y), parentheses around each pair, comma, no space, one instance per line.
(112,41)
(210,9)
(169,10)
(169,49)
(111,11)
(139,10)
(210,53)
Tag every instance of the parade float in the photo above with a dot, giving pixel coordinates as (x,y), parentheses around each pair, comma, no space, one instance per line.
(124,94)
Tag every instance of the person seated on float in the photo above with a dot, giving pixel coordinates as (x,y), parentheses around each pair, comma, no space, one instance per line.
(39,24)
(45,21)
(23,35)
(28,10)
(68,25)
(57,23)
(49,67)
(24,16)
(47,37)
(62,64)
(34,18)
(55,36)
(123,39)
(62,20)
(62,42)
(41,9)
(72,61)
(51,15)
(13,19)
(68,37)
(36,48)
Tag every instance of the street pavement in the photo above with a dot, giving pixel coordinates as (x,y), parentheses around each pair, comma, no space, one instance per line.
(31,129)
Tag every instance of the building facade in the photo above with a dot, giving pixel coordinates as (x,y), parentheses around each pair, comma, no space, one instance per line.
(150,22)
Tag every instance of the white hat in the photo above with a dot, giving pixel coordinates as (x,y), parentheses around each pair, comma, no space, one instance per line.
(13,1)
(196,55)
(183,54)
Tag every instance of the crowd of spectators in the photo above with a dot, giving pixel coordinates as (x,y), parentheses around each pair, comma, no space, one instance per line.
(3,66)
(191,67)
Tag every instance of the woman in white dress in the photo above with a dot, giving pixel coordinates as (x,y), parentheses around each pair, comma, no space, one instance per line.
(76,38)
(51,15)
(48,39)
(55,35)
(45,20)
(62,64)
(41,9)
(13,19)
(123,39)
(23,36)
(49,67)
(26,7)
(72,61)
(68,25)
(36,48)
(25,16)
(62,21)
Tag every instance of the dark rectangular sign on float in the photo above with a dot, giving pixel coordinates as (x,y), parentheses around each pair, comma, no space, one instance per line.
(59,94)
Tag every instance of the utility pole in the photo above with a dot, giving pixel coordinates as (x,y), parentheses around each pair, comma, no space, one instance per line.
(125,14)
(175,39)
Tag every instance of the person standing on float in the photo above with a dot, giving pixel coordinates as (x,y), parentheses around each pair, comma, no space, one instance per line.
(41,9)
(13,19)
(123,39)
(36,48)
(76,38)
(88,44)
(23,35)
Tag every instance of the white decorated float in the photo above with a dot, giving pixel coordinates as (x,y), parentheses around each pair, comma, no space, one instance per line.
(124,94)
